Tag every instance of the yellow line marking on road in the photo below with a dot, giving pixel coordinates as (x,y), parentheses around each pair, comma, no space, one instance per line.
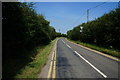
(55,61)
(51,64)
(52,68)
(111,57)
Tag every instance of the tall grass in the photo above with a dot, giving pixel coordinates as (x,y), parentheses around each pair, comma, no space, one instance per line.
(32,69)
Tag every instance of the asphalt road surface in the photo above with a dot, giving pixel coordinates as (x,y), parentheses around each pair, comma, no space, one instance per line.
(73,61)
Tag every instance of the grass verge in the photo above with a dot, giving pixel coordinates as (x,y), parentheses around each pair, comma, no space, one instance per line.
(32,69)
(111,52)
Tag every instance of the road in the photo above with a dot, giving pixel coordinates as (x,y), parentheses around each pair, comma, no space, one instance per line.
(73,61)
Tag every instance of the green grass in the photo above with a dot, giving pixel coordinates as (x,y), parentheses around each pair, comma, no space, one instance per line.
(32,69)
(111,52)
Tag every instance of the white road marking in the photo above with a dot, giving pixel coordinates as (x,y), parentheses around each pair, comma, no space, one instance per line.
(91,65)
(68,45)
(63,41)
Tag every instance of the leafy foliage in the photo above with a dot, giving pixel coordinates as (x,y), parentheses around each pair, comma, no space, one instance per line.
(23,30)
(102,31)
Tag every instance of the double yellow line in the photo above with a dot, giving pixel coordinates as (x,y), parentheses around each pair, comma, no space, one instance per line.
(52,68)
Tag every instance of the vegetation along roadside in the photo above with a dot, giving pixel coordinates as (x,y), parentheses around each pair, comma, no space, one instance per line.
(24,34)
(32,69)
(108,51)
(101,34)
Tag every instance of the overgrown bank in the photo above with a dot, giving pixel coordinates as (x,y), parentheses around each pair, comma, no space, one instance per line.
(108,51)
(32,68)
(101,34)
(23,30)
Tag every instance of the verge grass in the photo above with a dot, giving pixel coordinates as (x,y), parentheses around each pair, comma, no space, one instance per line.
(32,69)
(111,52)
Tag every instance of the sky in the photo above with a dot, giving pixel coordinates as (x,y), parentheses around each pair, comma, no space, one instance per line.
(64,16)
(64,0)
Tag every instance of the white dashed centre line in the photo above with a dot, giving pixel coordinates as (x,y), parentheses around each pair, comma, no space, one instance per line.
(87,62)
(91,65)
(68,45)
(63,41)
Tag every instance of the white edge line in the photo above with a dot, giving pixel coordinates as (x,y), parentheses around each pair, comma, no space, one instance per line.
(91,65)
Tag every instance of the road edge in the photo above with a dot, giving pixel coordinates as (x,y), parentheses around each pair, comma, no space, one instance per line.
(98,52)
(44,71)
(52,67)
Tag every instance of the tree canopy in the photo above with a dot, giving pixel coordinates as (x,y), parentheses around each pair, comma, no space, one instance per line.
(104,30)
(22,31)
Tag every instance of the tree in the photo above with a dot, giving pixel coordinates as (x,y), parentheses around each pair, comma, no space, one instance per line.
(102,31)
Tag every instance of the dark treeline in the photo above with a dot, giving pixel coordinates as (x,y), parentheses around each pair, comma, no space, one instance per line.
(103,31)
(23,30)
